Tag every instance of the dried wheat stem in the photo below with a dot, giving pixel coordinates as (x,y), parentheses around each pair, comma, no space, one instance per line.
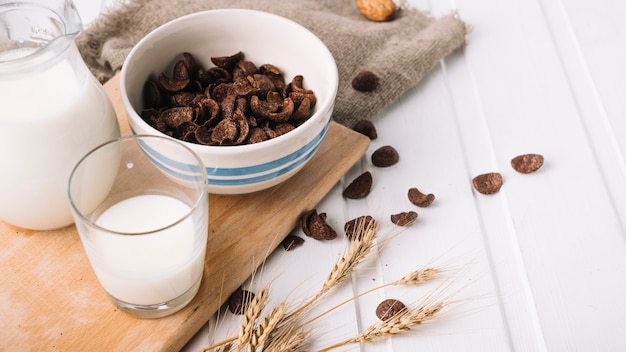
(398,324)
(288,338)
(222,346)
(357,251)
(266,329)
(414,278)
(252,312)
(417,277)
(225,348)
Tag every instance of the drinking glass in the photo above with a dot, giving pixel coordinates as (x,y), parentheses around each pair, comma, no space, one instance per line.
(140,205)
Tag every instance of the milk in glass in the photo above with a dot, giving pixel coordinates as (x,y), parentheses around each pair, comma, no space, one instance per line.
(150,268)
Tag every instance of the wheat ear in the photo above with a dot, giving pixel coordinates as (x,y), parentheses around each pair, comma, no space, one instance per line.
(414,278)
(356,252)
(417,277)
(225,348)
(252,312)
(398,324)
(266,329)
(289,337)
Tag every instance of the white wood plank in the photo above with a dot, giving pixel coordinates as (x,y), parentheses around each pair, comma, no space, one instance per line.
(528,104)
(422,128)
(599,31)
(604,126)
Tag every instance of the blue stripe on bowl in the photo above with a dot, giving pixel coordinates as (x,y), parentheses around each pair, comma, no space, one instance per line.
(242,171)
(264,177)
(172,172)
(192,170)
(303,153)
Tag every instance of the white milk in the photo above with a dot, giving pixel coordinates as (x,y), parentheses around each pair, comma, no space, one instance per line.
(48,120)
(147,269)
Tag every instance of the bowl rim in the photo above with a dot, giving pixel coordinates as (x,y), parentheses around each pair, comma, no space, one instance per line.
(327,106)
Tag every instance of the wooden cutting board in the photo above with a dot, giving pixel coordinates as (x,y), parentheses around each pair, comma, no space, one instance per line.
(51,300)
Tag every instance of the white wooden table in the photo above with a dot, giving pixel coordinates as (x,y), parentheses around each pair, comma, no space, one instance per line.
(539,266)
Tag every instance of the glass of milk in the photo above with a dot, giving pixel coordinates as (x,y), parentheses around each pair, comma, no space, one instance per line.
(140,205)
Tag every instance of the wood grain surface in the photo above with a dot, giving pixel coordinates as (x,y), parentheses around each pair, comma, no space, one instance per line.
(50,298)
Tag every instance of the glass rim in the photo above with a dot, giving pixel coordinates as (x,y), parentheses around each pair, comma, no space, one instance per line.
(137,138)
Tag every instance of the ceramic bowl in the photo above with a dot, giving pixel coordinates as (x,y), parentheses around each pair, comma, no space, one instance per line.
(264,39)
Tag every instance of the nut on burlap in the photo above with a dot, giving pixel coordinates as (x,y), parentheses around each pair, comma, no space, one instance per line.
(400,51)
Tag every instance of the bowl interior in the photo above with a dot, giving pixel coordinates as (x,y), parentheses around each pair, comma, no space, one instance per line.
(263,38)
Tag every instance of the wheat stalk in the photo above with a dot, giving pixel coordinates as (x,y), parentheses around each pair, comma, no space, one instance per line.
(416,277)
(225,348)
(400,323)
(356,252)
(405,320)
(282,330)
(252,312)
(222,346)
(266,329)
(289,337)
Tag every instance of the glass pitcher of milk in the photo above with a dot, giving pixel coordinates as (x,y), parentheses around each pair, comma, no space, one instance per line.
(52,111)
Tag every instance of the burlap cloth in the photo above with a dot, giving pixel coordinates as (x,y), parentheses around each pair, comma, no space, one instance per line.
(400,51)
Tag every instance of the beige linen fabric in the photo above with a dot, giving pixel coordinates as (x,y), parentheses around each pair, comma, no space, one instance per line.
(400,51)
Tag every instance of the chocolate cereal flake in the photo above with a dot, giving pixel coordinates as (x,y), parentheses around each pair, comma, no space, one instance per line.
(420,199)
(360,187)
(239,300)
(389,308)
(488,183)
(291,242)
(405,218)
(385,156)
(527,163)
(355,228)
(365,81)
(366,128)
(314,225)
